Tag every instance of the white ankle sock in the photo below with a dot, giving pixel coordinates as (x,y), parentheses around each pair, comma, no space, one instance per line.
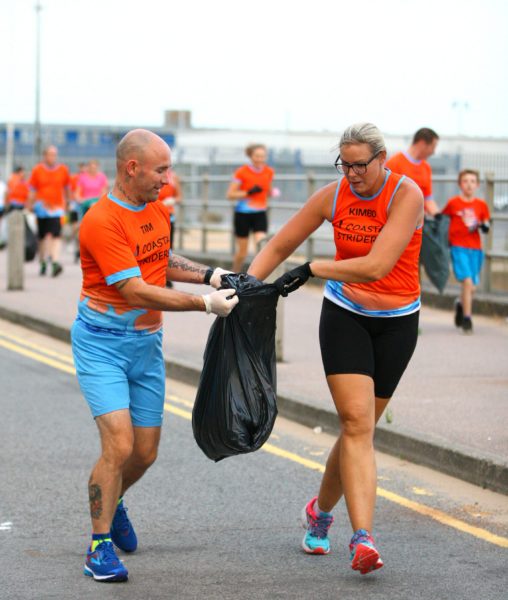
(318,511)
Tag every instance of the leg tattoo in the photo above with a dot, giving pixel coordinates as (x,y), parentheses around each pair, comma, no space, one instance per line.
(95,496)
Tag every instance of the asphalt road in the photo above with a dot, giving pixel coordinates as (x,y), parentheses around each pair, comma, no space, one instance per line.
(226,530)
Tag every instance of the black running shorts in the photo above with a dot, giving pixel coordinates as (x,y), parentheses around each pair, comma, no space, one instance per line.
(379,347)
(246,222)
(52,225)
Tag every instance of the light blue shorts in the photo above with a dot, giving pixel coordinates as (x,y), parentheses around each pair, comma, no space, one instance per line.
(120,371)
(467,263)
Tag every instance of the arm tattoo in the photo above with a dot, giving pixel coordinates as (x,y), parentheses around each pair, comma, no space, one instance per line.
(95,496)
(179,262)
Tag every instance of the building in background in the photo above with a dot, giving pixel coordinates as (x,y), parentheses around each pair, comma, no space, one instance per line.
(217,151)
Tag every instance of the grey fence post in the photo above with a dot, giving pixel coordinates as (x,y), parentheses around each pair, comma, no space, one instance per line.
(233,236)
(180,219)
(204,213)
(489,198)
(279,322)
(311,188)
(15,250)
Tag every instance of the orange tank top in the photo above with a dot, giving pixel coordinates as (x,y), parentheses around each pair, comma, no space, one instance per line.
(168,191)
(357,221)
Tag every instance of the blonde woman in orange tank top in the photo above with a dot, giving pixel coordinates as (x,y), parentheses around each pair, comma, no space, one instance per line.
(369,319)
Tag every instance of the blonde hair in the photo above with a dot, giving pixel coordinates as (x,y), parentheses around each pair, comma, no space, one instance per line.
(363,133)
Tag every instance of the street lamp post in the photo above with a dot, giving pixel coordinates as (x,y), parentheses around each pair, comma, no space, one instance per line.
(460,106)
(37,124)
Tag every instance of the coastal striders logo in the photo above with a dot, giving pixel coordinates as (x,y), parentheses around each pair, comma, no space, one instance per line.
(363,232)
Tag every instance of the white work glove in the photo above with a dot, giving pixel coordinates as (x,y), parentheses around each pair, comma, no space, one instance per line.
(215,279)
(221,302)
(170,201)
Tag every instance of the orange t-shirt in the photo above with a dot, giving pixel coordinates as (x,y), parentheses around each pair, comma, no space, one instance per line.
(357,221)
(49,184)
(168,191)
(417,170)
(119,241)
(17,190)
(247,176)
(465,216)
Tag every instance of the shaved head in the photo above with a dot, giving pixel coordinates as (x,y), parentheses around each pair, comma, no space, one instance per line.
(50,155)
(135,144)
(143,161)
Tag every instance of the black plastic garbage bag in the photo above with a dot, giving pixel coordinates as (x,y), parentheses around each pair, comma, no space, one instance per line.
(30,243)
(235,407)
(435,252)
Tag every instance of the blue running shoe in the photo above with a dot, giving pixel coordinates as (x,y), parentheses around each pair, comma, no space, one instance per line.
(104,565)
(122,531)
(315,540)
(364,556)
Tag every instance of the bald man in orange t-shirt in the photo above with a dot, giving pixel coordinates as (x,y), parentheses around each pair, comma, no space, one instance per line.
(117,335)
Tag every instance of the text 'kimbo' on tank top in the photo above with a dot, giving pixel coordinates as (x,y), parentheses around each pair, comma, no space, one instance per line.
(357,221)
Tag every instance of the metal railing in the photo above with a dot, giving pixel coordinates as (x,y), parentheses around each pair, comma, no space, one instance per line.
(205,211)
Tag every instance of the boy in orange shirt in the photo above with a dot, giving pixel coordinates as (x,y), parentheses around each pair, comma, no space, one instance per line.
(468,215)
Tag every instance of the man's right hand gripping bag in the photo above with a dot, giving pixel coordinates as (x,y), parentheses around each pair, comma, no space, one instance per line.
(235,407)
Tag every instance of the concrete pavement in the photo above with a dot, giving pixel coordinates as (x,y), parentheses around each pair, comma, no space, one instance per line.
(449,412)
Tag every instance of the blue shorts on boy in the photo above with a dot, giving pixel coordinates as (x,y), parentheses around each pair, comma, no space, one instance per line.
(467,263)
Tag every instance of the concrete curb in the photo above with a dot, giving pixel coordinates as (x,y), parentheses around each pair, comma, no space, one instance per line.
(484,470)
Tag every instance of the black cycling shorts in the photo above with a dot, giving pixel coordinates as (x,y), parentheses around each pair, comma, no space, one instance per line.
(73,216)
(380,347)
(247,222)
(51,225)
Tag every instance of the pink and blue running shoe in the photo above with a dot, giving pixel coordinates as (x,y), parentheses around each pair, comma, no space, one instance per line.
(122,531)
(104,565)
(364,556)
(315,540)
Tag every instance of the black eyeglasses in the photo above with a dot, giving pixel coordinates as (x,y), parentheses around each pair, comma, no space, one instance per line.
(358,168)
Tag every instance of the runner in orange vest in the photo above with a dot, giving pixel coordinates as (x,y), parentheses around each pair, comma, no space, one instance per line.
(369,319)
(250,188)
(170,195)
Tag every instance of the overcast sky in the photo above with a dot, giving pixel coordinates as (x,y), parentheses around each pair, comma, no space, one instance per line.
(274,64)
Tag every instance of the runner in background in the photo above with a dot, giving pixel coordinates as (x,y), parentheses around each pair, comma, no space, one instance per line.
(250,188)
(468,216)
(413,163)
(369,319)
(91,184)
(17,190)
(48,198)
(171,194)
(73,214)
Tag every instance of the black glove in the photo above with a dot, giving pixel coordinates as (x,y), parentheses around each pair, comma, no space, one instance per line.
(485,227)
(254,190)
(292,280)
(438,216)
